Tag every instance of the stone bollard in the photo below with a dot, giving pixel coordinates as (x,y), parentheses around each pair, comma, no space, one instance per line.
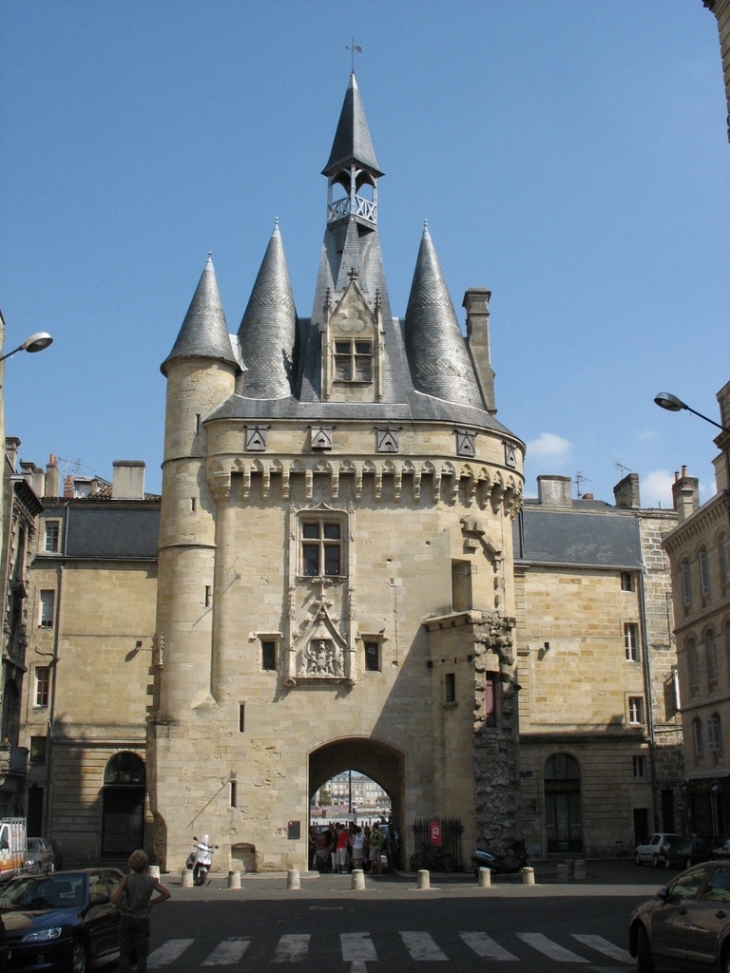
(424,879)
(154,871)
(292,879)
(528,876)
(358,879)
(485,878)
(186,879)
(234,879)
(580,871)
(562,871)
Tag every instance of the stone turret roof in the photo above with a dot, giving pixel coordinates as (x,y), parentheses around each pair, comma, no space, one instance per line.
(439,359)
(268,331)
(352,139)
(204,332)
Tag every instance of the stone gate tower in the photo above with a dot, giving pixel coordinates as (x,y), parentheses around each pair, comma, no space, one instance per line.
(335,565)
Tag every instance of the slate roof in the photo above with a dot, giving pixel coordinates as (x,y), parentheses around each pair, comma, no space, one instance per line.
(268,332)
(352,139)
(115,529)
(600,538)
(204,332)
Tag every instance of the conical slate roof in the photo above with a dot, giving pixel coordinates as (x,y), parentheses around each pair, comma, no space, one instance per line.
(268,331)
(352,139)
(437,354)
(204,332)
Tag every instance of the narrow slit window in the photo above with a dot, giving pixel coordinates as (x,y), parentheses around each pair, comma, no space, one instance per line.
(241,717)
(450,687)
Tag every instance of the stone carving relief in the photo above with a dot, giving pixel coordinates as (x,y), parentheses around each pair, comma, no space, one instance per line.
(319,652)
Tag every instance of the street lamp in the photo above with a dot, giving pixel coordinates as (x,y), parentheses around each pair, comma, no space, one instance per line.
(36,342)
(665,400)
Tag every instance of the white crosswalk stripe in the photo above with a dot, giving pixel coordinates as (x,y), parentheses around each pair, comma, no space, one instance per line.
(603,946)
(359,949)
(167,953)
(228,952)
(484,946)
(548,948)
(422,947)
(292,948)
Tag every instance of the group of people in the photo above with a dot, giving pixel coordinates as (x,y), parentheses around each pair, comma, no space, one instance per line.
(340,848)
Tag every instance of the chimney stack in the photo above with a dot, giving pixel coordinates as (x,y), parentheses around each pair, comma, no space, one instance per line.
(128,480)
(686,493)
(554,491)
(626,492)
(476,302)
(53,481)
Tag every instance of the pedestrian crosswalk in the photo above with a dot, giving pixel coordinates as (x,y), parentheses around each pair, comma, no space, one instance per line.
(359,948)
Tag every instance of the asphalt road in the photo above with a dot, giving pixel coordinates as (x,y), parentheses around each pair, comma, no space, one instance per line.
(327,928)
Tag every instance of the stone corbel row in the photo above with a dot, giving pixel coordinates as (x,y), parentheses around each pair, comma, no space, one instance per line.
(484,485)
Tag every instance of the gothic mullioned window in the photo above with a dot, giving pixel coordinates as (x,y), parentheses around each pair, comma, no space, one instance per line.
(353,360)
(704,573)
(686,584)
(321,547)
(714,733)
(711,657)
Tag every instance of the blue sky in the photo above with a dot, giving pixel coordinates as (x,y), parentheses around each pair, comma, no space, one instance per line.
(571,155)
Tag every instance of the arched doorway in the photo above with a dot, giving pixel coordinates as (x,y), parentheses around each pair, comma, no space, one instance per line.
(123,797)
(562,804)
(379,761)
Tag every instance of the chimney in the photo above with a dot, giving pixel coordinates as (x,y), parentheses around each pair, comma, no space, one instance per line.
(128,480)
(626,492)
(476,302)
(12,445)
(33,476)
(68,488)
(53,481)
(686,493)
(554,491)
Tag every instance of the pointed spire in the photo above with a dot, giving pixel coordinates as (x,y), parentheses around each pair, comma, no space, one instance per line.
(352,139)
(437,353)
(268,330)
(204,332)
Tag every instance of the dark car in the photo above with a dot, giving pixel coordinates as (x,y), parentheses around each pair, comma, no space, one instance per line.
(692,850)
(686,926)
(39,858)
(62,923)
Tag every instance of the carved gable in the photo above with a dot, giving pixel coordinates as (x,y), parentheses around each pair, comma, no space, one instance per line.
(352,349)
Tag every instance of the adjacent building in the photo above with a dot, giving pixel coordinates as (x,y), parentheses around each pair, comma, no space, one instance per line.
(699,551)
(600,732)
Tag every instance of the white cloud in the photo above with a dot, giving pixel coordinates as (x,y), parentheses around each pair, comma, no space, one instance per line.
(549,446)
(656,489)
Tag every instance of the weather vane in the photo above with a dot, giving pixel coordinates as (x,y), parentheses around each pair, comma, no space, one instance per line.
(353,47)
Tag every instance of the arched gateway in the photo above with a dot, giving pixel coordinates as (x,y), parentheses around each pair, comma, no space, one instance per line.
(335,582)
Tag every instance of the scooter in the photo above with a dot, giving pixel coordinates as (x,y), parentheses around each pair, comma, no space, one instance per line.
(200,859)
(484,858)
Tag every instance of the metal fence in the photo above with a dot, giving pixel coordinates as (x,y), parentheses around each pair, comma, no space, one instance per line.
(451,832)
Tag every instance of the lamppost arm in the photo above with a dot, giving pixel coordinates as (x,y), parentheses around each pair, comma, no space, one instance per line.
(665,400)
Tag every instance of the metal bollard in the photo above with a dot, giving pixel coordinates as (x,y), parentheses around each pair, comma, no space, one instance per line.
(562,872)
(234,879)
(424,879)
(580,871)
(358,879)
(154,871)
(485,878)
(186,879)
(292,879)
(528,876)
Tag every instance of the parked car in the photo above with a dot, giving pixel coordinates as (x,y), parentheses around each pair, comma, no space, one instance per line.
(61,922)
(39,858)
(691,850)
(686,926)
(654,848)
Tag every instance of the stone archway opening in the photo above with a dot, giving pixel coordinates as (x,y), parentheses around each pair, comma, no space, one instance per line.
(381,762)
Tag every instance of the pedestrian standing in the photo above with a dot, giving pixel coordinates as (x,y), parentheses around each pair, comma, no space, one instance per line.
(134,898)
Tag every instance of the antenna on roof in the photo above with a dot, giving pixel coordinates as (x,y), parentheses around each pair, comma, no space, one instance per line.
(623,470)
(579,481)
(353,47)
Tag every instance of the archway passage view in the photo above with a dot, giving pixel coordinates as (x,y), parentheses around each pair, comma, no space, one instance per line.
(123,799)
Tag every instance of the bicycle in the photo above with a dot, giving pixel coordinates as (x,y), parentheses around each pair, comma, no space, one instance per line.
(433,859)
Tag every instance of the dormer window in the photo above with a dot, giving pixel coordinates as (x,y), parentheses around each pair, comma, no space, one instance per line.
(353,361)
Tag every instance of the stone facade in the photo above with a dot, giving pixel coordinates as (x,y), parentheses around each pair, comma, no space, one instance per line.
(699,551)
(600,740)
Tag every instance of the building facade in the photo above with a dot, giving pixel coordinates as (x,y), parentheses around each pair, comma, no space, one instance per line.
(600,733)
(334,565)
(699,551)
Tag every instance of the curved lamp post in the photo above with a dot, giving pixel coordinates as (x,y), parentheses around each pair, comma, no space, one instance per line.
(36,342)
(665,400)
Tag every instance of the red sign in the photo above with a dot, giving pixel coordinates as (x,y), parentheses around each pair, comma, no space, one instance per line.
(435,829)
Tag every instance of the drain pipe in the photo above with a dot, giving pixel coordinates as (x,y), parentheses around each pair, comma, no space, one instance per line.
(646,666)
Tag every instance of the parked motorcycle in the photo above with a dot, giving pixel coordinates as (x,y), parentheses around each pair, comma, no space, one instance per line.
(200,859)
(501,865)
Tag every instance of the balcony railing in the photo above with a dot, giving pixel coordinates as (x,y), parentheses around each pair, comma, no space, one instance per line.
(365,208)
